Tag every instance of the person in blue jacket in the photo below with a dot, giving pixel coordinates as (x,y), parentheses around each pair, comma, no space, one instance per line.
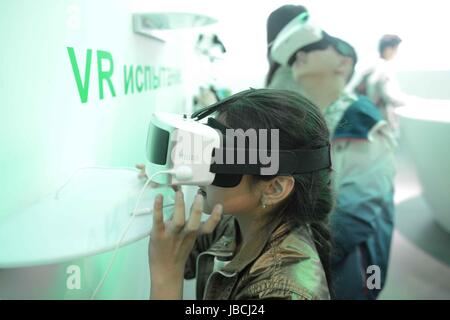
(362,156)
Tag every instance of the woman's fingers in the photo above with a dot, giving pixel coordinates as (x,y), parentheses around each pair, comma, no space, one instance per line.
(178,218)
(158,218)
(194,221)
(142,174)
(140,166)
(209,225)
(178,224)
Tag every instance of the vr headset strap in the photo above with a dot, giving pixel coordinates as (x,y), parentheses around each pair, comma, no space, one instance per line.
(289,161)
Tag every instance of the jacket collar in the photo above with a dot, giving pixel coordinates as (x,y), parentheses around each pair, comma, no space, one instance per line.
(226,245)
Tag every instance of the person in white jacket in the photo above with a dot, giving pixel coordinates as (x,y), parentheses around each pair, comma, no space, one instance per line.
(379,82)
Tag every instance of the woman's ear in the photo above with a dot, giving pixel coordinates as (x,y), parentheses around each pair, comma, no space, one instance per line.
(277,190)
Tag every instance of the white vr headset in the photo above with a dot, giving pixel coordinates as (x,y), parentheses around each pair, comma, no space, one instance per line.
(193,153)
(298,33)
(176,144)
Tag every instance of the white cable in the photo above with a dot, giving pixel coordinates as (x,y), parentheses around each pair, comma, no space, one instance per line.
(116,249)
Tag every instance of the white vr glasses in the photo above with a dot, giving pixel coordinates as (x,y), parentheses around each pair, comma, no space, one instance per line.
(195,153)
(176,142)
(299,32)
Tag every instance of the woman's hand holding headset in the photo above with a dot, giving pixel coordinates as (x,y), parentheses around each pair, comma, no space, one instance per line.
(172,241)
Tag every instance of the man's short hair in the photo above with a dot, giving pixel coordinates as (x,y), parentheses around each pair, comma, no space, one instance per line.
(388,41)
(280,17)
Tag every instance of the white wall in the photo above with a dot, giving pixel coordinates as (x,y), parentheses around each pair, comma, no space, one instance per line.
(46,131)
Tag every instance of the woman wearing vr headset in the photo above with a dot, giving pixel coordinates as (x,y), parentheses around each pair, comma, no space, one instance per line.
(272,241)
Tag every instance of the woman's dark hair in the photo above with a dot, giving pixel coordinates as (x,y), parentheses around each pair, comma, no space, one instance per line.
(301,126)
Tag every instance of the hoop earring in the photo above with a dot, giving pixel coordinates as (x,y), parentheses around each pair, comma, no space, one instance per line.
(263,204)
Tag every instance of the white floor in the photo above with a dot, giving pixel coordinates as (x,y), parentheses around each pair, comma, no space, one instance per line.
(413,273)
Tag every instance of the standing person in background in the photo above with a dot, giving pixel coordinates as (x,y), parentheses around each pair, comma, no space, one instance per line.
(362,153)
(280,77)
(379,83)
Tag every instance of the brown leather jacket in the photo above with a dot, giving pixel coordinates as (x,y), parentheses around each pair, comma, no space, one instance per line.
(280,264)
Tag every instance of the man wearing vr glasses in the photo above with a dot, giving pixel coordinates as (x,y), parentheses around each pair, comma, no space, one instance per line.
(362,145)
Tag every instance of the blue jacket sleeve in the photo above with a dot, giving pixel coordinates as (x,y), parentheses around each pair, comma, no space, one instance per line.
(364,190)
(363,178)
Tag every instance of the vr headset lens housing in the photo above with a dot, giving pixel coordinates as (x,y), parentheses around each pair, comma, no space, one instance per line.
(227,180)
(320,45)
(342,47)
